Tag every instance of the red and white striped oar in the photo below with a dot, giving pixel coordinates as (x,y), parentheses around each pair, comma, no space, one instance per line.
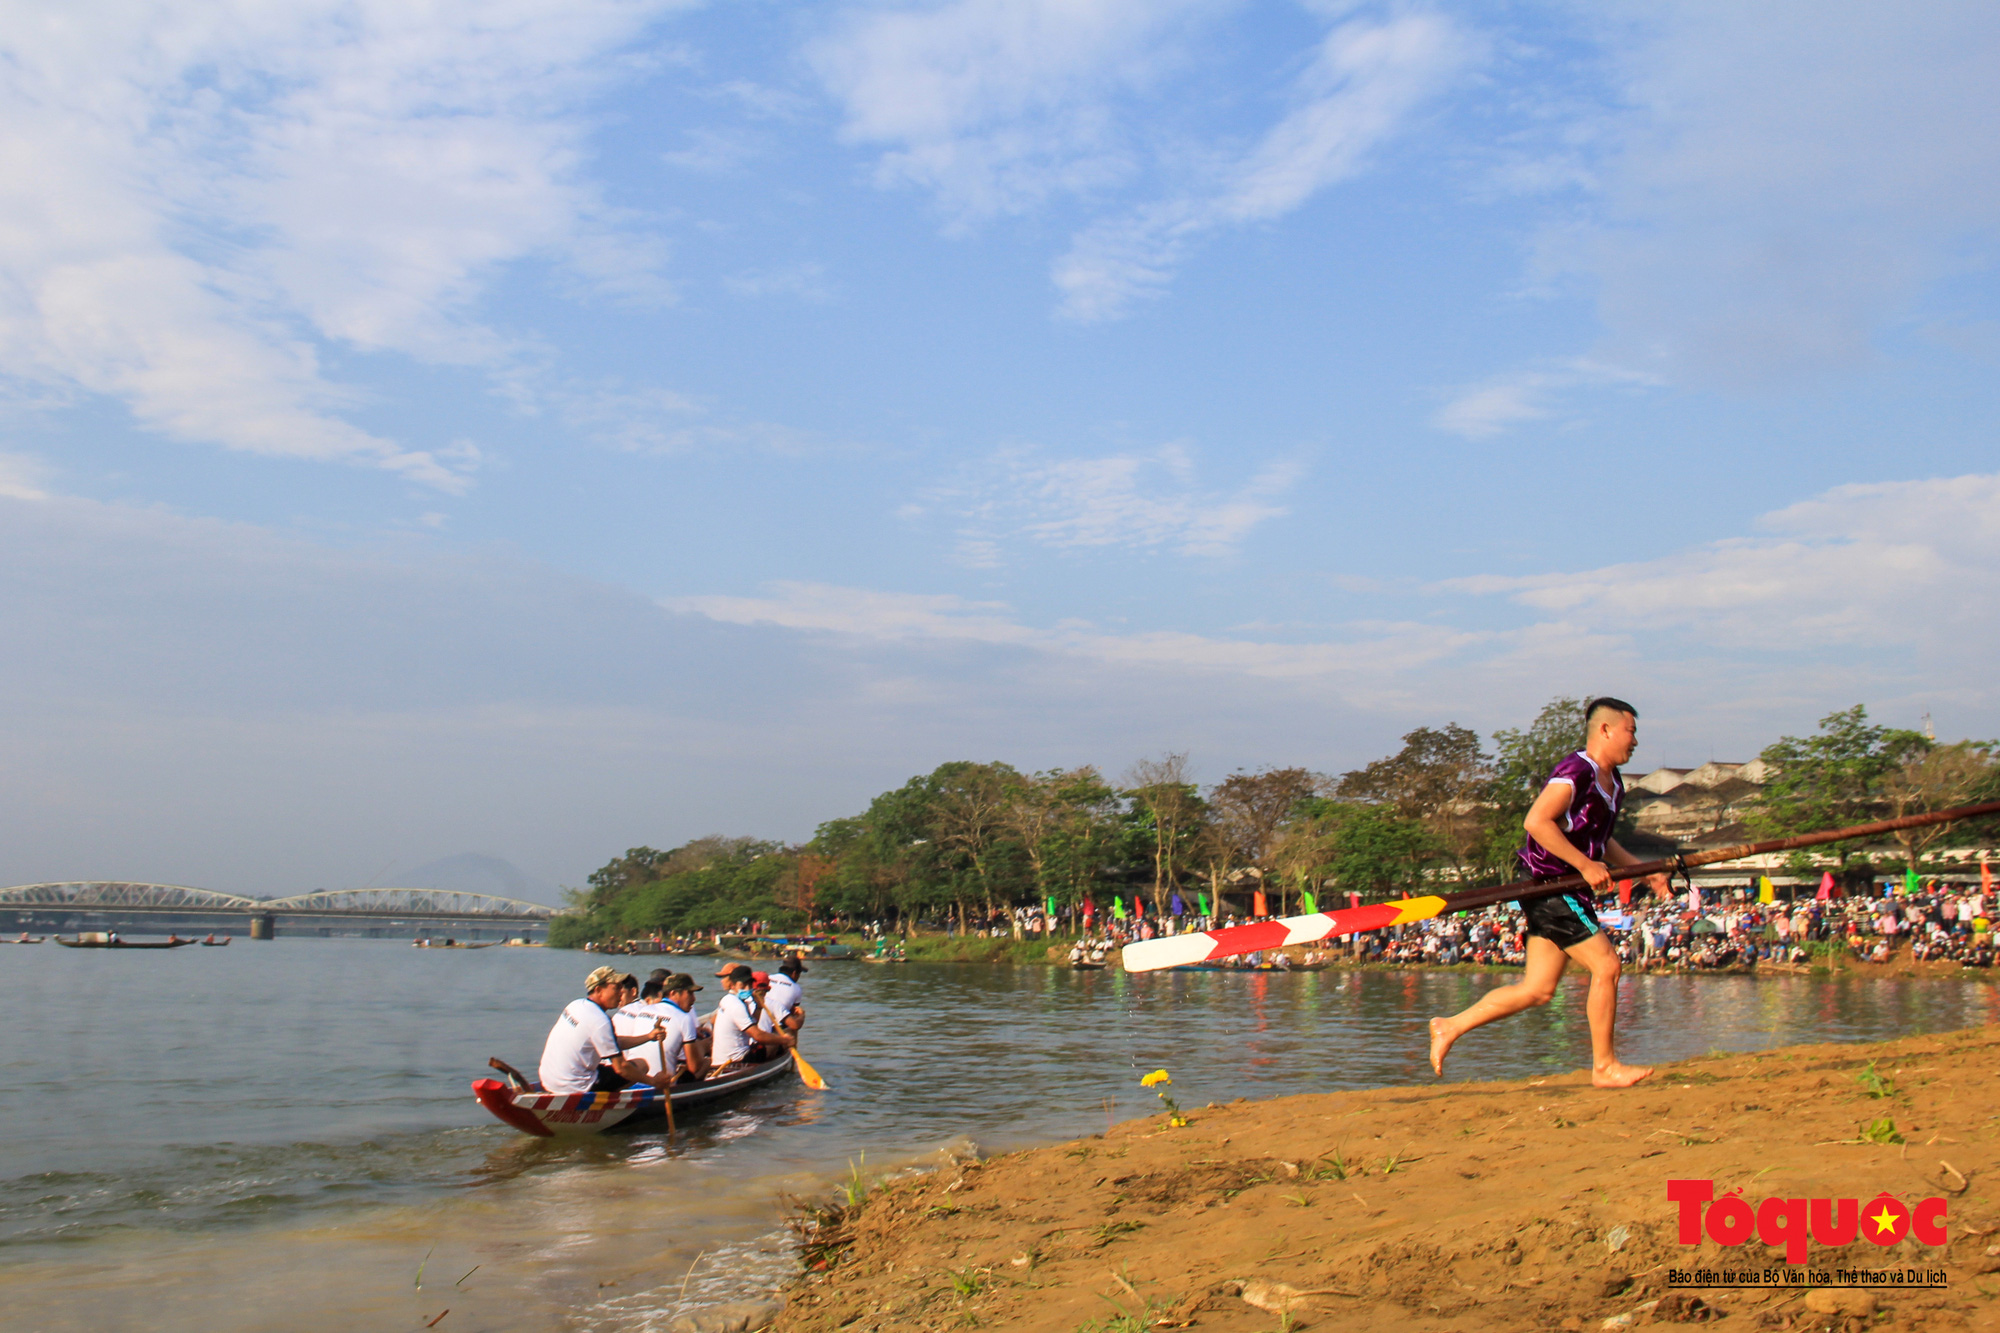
(1208,945)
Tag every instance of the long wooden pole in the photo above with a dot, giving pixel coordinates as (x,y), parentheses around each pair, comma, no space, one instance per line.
(1208,945)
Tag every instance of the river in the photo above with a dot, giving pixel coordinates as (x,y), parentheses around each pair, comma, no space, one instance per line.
(281,1132)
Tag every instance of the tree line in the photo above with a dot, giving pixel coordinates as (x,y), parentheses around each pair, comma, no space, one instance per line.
(969,840)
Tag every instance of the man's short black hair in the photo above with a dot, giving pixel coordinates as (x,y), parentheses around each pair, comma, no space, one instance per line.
(651,990)
(1605,701)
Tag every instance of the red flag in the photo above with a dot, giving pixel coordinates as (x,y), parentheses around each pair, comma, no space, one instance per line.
(1258,905)
(1624,893)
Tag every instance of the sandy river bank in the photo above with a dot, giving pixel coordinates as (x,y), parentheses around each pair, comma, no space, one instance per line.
(1525,1205)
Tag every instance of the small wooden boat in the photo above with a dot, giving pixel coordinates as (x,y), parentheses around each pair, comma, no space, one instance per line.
(94,939)
(1087,967)
(215,943)
(885,958)
(549,1114)
(26,940)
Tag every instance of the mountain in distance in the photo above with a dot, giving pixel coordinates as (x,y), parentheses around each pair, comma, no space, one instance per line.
(475,872)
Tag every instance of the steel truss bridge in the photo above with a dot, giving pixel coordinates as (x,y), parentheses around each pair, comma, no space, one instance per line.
(101,904)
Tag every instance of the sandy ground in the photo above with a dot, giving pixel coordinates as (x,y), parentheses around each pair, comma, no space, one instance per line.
(1533,1205)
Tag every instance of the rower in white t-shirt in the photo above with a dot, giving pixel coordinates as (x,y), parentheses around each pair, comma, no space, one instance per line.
(736,1024)
(583,1038)
(786,1001)
(643,1017)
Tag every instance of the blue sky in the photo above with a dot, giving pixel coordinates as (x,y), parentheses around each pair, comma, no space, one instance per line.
(538,429)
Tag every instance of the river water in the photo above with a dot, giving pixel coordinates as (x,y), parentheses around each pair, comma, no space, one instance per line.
(283,1132)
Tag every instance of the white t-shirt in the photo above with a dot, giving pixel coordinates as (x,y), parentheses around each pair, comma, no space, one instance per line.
(734,1017)
(581,1040)
(784,997)
(635,1020)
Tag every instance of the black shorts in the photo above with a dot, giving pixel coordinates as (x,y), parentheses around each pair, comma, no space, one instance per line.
(1564,919)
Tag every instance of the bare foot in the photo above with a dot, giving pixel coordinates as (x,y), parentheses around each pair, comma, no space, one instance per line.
(1616,1075)
(1441,1046)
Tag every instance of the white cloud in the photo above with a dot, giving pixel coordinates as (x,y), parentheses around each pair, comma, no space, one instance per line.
(1505,401)
(1783,183)
(1882,566)
(1137,500)
(201,200)
(805,280)
(1363,84)
(997,104)
(1369,664)
(21,477)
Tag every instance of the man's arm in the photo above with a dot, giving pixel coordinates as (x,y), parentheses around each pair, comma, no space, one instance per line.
(1542,827)
(765,1036)
(640,1038)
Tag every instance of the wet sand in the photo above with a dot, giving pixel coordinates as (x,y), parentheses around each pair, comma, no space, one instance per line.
(1528,1205)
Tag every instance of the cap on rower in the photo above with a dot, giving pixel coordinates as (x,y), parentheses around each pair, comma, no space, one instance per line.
(600,976)
(761,980)
(738,972)
(792,967)
(679,981)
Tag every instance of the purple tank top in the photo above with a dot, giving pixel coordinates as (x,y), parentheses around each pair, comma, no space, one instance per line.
(1587,822)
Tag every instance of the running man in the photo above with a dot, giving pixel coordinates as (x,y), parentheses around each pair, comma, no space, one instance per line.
(1569,833)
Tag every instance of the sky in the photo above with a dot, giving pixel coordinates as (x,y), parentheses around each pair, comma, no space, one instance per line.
(538,430)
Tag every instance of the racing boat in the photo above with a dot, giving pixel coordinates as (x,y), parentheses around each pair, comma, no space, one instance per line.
(548,1114)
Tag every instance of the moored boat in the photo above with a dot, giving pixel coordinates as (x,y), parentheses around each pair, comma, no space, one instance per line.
(549,1114)
(99,939)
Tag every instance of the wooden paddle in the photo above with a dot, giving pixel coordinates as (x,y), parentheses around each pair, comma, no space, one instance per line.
(514,1076)
(1206,945)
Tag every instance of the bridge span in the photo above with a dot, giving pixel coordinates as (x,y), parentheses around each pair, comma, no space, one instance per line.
(158,909)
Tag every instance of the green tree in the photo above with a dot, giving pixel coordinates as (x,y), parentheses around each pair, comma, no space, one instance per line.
(1253,809)
(1935,777)
(1373,851)
(1833,778)
(1442,778)
(1166,810)
(1068,824)
(1523,760)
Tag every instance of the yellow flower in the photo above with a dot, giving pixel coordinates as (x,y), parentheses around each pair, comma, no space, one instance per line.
(1155,1079)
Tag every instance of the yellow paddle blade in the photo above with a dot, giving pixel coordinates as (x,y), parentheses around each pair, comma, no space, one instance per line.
(807,1074)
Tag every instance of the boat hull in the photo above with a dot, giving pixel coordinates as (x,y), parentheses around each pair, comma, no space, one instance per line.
(561,1114)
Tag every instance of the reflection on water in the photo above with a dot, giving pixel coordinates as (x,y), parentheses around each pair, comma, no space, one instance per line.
(290,1122)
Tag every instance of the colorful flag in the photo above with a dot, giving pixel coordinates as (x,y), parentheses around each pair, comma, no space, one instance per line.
(1089,909)
(1624,893)
(1259,906)
(1177,905)
(1825,886)
(1310,899)
(1202,898)
(1117,908)
(1910,881)
(1052,908)
(1985,876)
(1767,892)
